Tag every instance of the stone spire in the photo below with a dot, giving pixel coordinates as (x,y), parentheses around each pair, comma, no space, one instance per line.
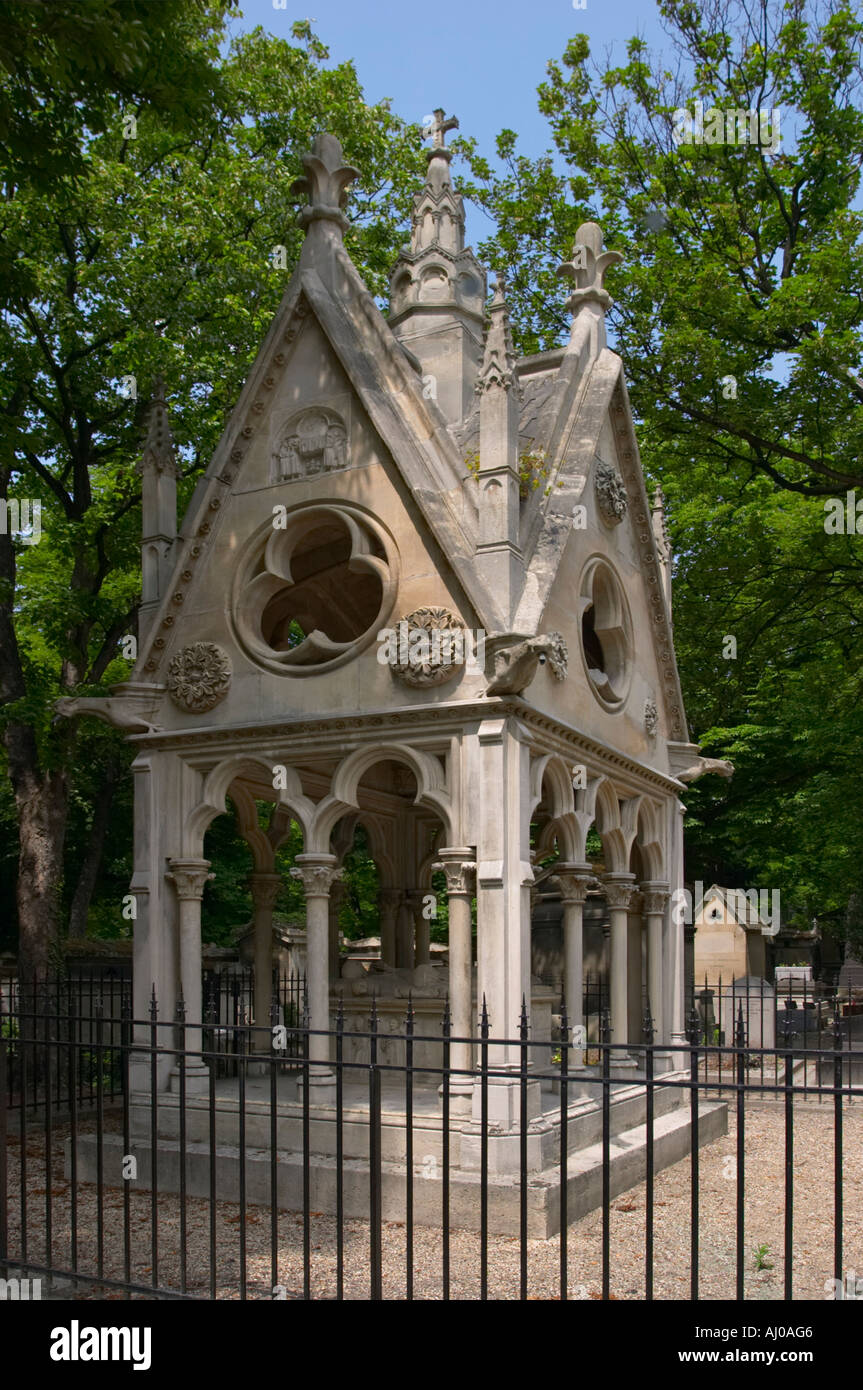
(438,288)
(589,299)
(438,215)
(158,455)
(663,543)
(158,470)
(498,556)
(498,361)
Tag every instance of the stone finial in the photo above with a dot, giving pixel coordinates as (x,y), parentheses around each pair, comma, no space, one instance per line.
(498,364)
(587,268)
(438,127)
(158,454)
(325,183)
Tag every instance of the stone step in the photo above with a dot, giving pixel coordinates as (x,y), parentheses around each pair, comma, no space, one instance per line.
(627,1155)
(584,1122)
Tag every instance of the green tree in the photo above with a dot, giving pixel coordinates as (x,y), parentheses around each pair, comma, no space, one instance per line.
(735,255)
(65,63)
(739,310)
(158,257)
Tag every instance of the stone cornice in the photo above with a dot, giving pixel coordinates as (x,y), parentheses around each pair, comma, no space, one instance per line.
(428,721)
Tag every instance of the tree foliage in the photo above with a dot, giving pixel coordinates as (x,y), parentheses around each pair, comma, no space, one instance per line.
(169,251)
(739,309)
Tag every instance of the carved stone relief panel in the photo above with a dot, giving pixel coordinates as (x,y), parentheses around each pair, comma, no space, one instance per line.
(313,441)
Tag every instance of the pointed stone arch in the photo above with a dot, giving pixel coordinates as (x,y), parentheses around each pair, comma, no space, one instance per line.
(650,839)
(606,816)
(431,789)
(217,785)
(551,779)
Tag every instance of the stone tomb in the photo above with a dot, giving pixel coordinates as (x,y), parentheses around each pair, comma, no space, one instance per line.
(372,475)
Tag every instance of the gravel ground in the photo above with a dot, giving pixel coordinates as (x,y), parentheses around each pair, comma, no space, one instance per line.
(764,1195)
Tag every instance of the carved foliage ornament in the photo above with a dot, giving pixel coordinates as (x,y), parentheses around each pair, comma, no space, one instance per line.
(610,493)
(317,879)
(431,647)
(460,875)
(199,677)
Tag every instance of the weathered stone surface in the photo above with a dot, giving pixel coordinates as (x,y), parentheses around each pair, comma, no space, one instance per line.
(413,468)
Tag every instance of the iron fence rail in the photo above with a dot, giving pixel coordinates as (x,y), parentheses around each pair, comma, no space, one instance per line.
(96,1232)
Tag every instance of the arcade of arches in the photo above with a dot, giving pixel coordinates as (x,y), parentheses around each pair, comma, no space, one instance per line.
(465,800)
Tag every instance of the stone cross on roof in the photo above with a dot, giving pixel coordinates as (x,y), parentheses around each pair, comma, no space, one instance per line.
(438,127)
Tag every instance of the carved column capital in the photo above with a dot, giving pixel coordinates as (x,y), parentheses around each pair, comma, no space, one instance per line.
(459,867)
(574,880)
(655,898)
(264,888)
(619,889)
(317,872)
(389,899)
(188,877)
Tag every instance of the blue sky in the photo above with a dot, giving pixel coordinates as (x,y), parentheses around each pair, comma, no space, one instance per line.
(479,59)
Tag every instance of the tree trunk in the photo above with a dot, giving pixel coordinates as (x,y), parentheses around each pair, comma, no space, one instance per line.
(41,800)
(93,856)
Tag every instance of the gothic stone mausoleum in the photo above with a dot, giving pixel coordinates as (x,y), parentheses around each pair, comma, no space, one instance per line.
(368,482)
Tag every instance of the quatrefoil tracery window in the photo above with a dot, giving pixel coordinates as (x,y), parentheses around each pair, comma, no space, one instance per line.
(312,594)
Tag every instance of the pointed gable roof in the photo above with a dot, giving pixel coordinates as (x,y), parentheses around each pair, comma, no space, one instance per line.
(584,387)
(327,287)
(566,397)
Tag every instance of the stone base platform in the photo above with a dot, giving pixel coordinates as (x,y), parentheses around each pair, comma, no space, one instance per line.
(672,1142)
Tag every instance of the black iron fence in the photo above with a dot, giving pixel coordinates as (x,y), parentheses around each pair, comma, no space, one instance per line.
(395,1165)
(74,1009)
(229,1009)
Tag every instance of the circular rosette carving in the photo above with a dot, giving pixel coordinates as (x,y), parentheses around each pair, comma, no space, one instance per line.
(313,587)
(610,493)
(431,647)
(199,677)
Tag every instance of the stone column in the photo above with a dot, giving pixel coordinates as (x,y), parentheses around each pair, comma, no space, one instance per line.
(389,902)
(674,944)
(337,897)
(655,902)
(164,792)
(188,877)
(421,927)
(618,891)
(501,766)
(634,967)
(405,935)
(459,867)
(264,888)
(317,873)
(574,880)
